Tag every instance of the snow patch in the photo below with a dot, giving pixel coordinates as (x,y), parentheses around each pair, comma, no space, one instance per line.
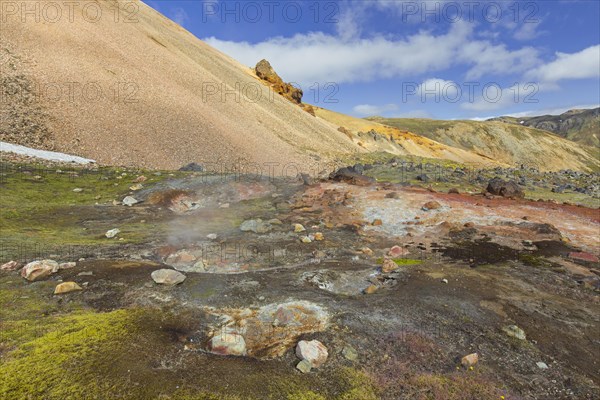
(43,154)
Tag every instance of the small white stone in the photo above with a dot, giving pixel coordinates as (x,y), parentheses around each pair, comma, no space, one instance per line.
(112,233)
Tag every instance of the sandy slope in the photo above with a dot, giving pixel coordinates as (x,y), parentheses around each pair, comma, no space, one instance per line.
(404,142)
(146,100)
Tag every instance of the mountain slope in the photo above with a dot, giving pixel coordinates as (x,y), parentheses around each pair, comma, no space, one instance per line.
(374,136)
(581,126)
(143,94)
(506,143)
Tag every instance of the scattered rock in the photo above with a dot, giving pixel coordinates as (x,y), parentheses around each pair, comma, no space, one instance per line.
(367,251)
(350,353)
(431,205)
(397,251)
(67,265)
(10,266)
(371,289)
(299,228)
(192,167)
(502,188)
(78,190)
(37,270)
(136,187)
(228,344)
(314,352)
(583,256)
(197,267)
(514,331)
(319,236)
(140,179)
(445,280)
(129,201)
(377,222)
(256,226)
(271,330)
(350,176)
(541,365)
(112,233)
(304,366)
(388,266)
(423,178)
(212,236)
(167,277)
(470,360)
(66,287)
(453,191)
(392,195)
(305,239)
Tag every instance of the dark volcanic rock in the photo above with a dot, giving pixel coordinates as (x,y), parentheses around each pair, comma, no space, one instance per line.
(352,176)
(192,167)
(503,188)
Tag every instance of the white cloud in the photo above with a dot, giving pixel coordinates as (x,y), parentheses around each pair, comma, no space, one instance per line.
(319,57)
(493,97)
(372,110)
(553,111)
(581,65)
(497,59)
(439,90)
(527,31)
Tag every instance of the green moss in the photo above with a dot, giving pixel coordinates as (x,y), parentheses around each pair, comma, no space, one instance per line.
(305,396)
(402,261)
(534,261)
(40,212)
(359,385)
(64,362)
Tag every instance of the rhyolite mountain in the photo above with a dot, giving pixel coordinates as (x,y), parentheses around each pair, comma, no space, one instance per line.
(512,144)
(581,126)
(150,94)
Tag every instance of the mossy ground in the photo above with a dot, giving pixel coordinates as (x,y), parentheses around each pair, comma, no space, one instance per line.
(40,212)
(59,348)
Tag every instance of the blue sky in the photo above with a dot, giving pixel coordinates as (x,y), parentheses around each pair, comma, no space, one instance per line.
(435,59)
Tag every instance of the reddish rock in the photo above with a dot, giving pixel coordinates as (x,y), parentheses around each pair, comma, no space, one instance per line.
(432,205)
(397,251)
(10,266)
(583,256)
(377,222)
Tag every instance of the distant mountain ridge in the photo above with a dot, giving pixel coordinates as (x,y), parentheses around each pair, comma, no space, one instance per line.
(507,143)
(581,126)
